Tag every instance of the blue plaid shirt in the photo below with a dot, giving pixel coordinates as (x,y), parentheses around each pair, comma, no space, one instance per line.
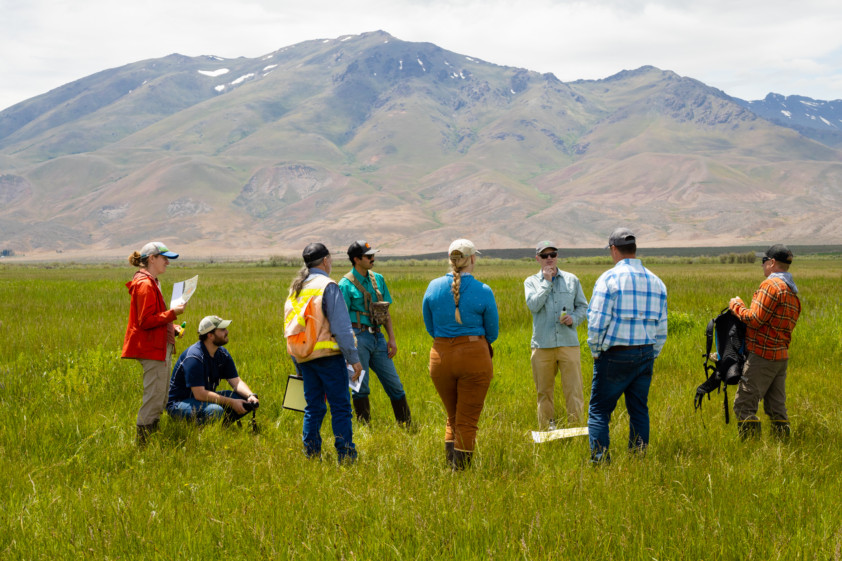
(628,307)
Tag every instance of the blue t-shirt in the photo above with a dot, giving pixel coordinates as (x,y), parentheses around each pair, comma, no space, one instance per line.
(476,307)
(196,367)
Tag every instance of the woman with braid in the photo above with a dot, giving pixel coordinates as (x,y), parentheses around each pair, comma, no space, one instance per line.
(461,315)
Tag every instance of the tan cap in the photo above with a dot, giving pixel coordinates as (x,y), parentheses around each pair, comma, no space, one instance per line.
(463,246)
(209,323)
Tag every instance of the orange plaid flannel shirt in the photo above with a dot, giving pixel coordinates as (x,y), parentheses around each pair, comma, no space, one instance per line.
(770,320)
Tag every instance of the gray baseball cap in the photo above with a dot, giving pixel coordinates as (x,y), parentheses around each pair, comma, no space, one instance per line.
(544,244)
(620,237)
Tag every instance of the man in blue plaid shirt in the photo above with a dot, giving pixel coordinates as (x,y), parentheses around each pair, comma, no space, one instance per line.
(627,328)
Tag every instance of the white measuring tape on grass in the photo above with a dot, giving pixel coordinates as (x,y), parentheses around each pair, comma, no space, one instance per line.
(546,436)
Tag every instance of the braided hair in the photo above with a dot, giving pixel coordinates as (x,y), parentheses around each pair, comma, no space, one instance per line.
(458,262)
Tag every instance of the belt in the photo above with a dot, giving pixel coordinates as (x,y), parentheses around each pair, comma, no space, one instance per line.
(626,347)
(461,338)
(368,328)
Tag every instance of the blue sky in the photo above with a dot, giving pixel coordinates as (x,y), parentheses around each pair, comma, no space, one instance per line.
(747,48)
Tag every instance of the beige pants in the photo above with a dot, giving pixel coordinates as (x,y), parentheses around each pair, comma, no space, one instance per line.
(156,385)
(762,379)
(545,364)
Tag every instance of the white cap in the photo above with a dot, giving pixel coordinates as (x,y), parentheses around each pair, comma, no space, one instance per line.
(157,248)
(463,246)
(209,323)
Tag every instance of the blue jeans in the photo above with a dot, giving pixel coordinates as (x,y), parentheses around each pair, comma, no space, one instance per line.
(374,356)
(191,409)
(620,372)
(327,377)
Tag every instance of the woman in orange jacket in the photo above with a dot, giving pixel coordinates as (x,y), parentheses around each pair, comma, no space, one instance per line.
(150,335)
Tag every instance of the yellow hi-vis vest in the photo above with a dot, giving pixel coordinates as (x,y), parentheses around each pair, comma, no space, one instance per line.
(306,328)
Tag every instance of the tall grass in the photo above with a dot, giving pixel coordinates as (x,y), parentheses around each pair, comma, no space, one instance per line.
(75,485)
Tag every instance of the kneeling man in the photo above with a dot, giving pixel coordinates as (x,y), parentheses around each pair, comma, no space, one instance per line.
(197,373)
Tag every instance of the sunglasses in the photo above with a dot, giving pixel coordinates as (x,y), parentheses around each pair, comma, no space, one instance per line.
(550,255)
(766,259)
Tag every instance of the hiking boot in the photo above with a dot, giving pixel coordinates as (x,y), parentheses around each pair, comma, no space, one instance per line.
(552,425)
(362,407)
(461,460)
(143,433)
(401,409)
(748,429)
(781,430)
(448,453)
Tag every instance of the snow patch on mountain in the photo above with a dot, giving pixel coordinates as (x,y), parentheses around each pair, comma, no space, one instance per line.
(214,73)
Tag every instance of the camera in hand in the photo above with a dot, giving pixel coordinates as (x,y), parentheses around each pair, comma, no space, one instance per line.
(249,406)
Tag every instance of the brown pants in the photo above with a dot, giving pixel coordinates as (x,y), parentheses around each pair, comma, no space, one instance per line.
(762,379)
(545,364)
(156,385)
(461,370)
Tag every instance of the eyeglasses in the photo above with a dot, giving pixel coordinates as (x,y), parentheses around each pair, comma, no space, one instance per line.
(550,255)
(766,259)
(369,257)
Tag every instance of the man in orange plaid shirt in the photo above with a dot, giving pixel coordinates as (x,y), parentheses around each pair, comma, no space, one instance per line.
(770,320)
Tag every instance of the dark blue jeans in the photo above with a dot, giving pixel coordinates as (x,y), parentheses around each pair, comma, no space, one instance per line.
(616,373)
(327,377)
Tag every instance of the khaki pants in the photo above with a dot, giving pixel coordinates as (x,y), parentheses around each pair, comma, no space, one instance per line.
(762,379)
(545,364)
(156,384)
(461,370)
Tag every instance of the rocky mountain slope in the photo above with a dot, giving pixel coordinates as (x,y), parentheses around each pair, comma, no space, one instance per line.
(404,144)
(816,119)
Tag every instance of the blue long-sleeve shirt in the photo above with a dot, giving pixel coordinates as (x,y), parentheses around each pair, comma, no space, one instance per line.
(333,305)
(477,308)
(628,307)
(546,299)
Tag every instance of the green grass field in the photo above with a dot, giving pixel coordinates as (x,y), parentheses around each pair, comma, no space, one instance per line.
(76,487)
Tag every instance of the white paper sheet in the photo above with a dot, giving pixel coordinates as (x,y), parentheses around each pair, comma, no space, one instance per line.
(182,291)
(351,384)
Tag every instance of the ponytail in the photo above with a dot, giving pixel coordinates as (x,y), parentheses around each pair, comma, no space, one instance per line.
(298,282)
(137,261)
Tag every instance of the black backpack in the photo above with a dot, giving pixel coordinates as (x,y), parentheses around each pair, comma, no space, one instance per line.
(725,367)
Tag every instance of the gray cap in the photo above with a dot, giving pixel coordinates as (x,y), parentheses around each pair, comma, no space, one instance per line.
(544,244)
(620,237)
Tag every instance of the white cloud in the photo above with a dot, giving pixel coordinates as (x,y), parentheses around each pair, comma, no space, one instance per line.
(747,48)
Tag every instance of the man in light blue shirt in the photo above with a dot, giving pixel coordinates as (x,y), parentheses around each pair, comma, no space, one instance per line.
(627,328)
(558,306)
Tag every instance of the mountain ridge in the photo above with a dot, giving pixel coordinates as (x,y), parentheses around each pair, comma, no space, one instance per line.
(404,143)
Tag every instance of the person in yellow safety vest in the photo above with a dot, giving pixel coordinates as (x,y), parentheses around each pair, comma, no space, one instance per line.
(315,295)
